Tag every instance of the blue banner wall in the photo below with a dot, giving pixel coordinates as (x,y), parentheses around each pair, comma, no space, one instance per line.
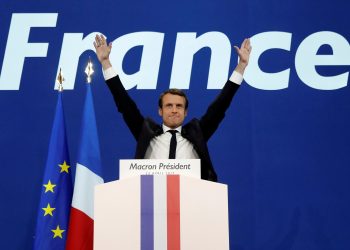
(283,147)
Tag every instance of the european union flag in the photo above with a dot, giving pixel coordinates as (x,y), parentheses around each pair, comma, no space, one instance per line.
(56,194)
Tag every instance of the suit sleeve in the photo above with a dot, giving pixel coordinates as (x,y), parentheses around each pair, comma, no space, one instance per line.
(215,113)
(126,106)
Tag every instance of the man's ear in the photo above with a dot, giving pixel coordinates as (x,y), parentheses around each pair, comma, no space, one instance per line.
(160,112)
(186,112)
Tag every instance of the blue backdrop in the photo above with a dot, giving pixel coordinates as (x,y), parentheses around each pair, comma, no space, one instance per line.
(283,147)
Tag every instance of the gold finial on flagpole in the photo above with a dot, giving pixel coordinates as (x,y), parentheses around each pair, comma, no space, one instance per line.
(89,70)
(60,80)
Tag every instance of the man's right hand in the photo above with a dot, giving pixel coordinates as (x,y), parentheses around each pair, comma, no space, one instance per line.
(102,51)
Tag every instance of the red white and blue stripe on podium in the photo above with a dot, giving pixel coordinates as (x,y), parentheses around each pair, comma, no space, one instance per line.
(160,212)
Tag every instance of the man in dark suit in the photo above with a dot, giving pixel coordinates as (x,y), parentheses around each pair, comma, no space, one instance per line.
(172,139)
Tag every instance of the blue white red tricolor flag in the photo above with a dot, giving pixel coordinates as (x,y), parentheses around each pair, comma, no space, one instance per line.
(88,175)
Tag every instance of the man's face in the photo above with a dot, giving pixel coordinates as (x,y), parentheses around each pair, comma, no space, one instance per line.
(173,110)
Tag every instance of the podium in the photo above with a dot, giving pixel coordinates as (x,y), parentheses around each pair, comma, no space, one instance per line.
(161,212)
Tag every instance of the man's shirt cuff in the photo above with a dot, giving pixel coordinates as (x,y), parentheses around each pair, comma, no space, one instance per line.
(236,78)
(109,73)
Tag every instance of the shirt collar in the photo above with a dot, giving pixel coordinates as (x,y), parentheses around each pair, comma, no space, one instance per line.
(165,128)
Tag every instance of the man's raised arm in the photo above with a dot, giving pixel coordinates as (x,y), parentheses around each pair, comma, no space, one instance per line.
(215,113)
(131,114)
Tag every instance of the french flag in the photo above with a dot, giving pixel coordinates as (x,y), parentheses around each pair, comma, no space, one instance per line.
(88,175)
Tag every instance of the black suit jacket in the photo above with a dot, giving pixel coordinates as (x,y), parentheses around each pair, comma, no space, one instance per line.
(197,131)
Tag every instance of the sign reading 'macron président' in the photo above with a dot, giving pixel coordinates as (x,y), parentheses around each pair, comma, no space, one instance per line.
(135,167)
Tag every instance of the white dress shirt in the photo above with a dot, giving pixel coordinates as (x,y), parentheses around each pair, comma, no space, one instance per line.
(160,145)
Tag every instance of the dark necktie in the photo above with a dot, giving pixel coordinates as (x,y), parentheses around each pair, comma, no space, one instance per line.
(173,144)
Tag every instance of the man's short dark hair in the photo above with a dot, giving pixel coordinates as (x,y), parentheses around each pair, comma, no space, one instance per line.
(173,92)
